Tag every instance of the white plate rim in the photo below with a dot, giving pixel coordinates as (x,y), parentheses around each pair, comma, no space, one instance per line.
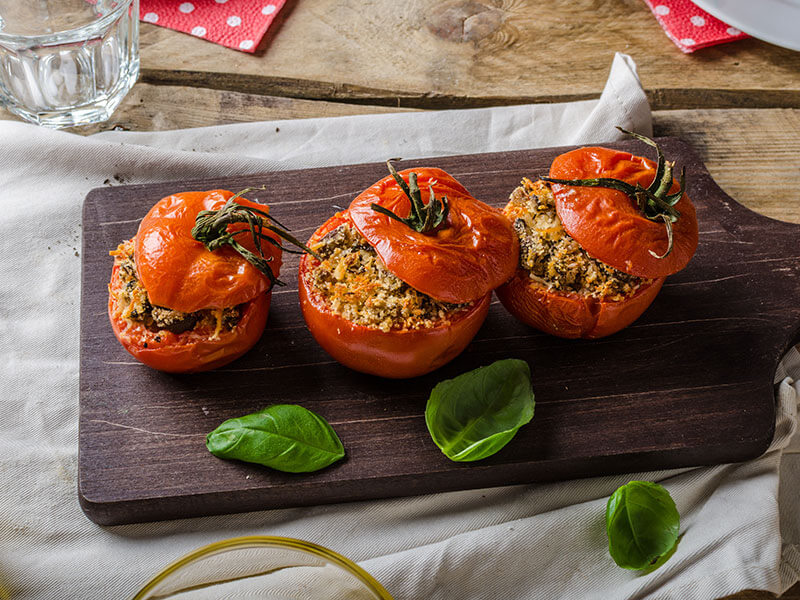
(767,20)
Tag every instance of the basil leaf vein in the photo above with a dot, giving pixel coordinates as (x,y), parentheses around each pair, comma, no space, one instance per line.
(474,415)
(286,437)
(642,524)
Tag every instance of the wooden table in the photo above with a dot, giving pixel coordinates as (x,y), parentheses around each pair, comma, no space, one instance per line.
(738,104)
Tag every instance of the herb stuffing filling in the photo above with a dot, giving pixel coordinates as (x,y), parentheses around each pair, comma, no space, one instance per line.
(134,304)
(355,285)
(551,257)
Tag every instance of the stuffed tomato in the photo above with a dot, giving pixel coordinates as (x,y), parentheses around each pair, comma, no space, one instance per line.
(398,286)
(598,237)
(180,307)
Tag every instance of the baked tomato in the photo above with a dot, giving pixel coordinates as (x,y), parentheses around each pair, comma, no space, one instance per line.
(400,296)
(598,238)
(179,307)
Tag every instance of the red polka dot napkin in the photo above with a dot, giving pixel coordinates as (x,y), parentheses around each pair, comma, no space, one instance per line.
(690,27)
(237,24)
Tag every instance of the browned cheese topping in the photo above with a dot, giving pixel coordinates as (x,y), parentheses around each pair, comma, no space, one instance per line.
(551,257)
(356,286)
(135,305)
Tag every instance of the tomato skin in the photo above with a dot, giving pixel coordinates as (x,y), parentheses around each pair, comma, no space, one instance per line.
(571,315)
(396,354)
(474,252)
(608,225)
(179,273)
(187,352)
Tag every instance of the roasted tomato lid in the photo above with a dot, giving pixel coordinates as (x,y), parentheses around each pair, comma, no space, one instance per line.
(472,251)
(177,270)
(609,225)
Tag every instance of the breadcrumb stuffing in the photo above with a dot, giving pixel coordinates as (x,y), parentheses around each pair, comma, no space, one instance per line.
(553,258)
(356,286)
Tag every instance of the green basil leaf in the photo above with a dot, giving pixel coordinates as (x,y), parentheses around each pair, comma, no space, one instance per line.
(642,524)
(286,437)
(474,415)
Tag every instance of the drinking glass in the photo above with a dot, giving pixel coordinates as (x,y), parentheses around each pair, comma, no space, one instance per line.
(278,568)
(67,62)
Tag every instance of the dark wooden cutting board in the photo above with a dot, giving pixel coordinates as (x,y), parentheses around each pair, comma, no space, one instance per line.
(689,383)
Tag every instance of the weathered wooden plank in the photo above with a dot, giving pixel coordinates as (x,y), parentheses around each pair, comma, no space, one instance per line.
(791,594)
(752,154)
(659,98)
(160,108)
(756,595)
(433,54)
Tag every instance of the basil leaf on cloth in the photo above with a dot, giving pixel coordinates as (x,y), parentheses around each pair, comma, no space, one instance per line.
(474,415)
(286,437)
(642,524)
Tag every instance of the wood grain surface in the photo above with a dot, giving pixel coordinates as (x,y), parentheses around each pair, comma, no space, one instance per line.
(602,406)
(459,53)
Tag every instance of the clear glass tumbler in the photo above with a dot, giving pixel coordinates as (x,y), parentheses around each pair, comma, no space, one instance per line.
(67,62)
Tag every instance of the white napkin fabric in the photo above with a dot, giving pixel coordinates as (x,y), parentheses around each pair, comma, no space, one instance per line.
(530,541)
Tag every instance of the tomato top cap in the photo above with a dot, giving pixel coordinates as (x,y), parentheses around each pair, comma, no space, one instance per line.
(609,225)
(472,251)
(180,273)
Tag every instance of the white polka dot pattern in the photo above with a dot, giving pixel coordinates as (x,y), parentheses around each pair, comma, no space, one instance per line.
(689,27)
(236,24)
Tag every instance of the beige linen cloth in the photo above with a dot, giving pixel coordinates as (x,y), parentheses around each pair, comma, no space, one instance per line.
(520,542)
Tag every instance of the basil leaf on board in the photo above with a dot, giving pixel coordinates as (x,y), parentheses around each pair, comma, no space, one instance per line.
(642,524)
(286,437)
(474,415)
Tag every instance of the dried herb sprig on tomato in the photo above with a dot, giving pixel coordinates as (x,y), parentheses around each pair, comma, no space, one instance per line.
(211,229)
(653,202)
(422,218)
